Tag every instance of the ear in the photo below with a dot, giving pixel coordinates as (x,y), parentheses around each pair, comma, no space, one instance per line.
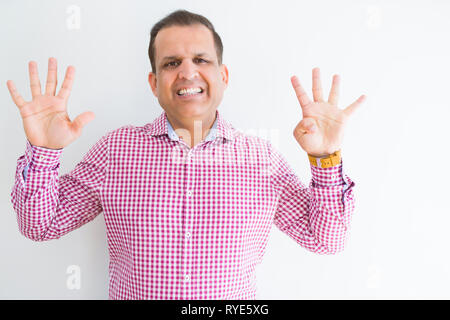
(152,82)
(224,74)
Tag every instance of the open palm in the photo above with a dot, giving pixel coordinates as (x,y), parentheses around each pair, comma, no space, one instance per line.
(321,130)
(45,119)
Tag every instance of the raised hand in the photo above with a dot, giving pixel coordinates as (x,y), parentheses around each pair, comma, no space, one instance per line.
(45,119)
(321,130)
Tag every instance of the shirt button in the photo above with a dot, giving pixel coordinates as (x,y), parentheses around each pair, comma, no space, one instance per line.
(187,278)
(188,234)
(189,193)
(41,157)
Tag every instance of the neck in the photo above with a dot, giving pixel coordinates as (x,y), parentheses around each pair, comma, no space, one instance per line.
(192,131)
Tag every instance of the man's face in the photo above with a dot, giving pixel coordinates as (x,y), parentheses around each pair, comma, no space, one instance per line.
(185,58)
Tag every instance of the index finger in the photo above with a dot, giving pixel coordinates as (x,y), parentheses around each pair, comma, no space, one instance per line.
(35,84)
(66,87)
(302,96)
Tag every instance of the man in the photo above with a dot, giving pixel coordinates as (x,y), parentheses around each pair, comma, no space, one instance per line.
(188,200)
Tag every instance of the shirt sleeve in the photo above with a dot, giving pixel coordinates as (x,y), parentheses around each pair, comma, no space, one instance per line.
(25,170)
(49,206)
(316,217)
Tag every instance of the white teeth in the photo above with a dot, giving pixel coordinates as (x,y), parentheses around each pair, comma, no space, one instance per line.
(183,92)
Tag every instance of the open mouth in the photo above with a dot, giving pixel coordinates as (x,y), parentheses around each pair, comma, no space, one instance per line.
(190,92)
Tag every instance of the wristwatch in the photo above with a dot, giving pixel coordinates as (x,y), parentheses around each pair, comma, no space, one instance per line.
(327,162)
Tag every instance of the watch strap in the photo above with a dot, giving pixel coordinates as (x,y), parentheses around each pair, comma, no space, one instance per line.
(326,162)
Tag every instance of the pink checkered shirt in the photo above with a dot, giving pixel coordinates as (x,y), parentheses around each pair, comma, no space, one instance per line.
(182,223)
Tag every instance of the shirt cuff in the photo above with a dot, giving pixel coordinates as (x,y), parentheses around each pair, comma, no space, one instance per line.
(40,158)
(327,177)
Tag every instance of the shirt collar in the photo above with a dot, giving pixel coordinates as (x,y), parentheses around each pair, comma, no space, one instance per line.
(221,128)
(173,136)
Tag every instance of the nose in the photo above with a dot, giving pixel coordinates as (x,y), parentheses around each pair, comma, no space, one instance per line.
(188,70)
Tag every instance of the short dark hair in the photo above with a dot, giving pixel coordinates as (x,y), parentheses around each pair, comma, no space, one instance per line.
(183,18)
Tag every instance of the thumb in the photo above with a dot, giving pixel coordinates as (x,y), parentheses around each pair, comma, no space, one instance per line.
(307,125)
(81,120)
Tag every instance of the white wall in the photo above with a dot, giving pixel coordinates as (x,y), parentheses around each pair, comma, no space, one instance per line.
(395,149)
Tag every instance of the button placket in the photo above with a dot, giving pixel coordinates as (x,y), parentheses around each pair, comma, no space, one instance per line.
(189,218)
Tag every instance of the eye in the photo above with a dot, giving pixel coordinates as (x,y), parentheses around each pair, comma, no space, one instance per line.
(171,64)
(201,60)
